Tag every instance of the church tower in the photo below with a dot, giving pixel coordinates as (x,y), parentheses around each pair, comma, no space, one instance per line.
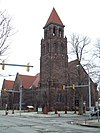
(53,61)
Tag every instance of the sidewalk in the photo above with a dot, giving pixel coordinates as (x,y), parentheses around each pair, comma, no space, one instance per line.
(40,114)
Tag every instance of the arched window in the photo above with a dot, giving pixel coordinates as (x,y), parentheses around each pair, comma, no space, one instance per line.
(60,32)
(59,97)
(55,47)
(62,48)
(54,31)
(47,48)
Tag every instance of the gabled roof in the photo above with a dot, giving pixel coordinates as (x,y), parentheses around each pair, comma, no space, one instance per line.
(8,84)
(54,18)
(27,80)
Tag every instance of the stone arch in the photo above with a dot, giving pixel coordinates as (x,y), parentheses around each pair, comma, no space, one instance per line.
(47,48)
(54,31)
(55,47)
(62,48)
(60,32)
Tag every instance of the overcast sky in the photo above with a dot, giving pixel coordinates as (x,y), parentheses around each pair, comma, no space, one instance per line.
(29,18)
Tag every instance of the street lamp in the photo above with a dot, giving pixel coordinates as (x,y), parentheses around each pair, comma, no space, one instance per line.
(20,91)
(89,91)
(20,106)
(89,88)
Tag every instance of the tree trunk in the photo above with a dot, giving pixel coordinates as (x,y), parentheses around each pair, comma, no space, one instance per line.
(80,104)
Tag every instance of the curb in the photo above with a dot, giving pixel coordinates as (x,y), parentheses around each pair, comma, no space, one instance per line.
(89,125)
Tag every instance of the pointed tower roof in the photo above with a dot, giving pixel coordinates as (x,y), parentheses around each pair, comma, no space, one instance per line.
(54,19)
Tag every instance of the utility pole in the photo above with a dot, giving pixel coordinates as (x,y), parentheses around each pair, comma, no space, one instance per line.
(20,107)
(89,92)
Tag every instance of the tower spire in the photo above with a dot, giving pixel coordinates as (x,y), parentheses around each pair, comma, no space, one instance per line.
(54,19)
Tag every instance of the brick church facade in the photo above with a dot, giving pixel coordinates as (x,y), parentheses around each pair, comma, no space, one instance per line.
(55,69)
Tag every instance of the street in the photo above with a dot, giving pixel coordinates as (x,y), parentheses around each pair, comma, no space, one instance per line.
(41,123)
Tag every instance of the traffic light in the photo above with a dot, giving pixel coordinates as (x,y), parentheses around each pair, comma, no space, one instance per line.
(5,90)
(63,87)
(27,68)
(3,66)
(73,86)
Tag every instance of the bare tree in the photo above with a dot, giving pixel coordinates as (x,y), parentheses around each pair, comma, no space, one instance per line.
(79,44)
(97,48)
(97,61)
(5,31)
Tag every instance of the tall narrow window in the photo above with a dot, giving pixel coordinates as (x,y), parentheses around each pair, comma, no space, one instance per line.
(59,97)
(47,48)
(55,47)
(54,31)
(60,32)
(62,48)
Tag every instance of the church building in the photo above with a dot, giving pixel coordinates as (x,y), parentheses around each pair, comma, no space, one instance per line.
(55,70)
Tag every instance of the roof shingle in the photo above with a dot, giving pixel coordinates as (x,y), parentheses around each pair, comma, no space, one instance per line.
(54,18)
(29,81)
(9,84)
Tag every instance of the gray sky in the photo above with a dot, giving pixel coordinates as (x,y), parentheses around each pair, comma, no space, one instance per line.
(29,17)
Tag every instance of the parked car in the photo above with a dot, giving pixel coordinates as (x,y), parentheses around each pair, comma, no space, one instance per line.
(30,108)
(95,113)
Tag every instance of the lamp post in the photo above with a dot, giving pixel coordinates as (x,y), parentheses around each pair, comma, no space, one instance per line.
(89,88)
(98,109)
(20,91)
(20,102)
